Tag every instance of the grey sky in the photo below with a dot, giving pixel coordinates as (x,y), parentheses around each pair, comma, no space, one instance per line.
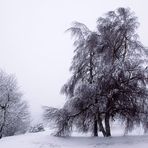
(35,48)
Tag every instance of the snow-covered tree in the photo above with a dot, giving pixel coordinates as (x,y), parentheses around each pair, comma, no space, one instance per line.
(84,64)
(14,114)
(108,77)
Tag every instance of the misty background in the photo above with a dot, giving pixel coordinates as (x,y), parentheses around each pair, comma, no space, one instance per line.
(35,47)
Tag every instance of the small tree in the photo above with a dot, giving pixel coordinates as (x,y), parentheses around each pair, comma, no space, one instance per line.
(14,115)
(36,128)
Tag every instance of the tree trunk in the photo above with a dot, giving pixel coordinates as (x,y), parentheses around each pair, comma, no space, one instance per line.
(101,126)
(1,130)
(2,125)
(4,117)
(107,125)
(90,80)
(95,131)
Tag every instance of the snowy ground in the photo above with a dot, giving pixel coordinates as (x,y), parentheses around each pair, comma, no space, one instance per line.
(45,140)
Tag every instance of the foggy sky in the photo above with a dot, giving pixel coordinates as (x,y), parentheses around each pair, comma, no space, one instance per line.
(35,47)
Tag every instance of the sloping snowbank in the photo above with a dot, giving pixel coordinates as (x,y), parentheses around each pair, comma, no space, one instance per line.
(45,140)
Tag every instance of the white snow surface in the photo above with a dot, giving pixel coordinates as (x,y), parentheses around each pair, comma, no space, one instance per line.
(45,140)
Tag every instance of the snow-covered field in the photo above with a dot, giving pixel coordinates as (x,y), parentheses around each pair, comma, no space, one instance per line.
(45,140)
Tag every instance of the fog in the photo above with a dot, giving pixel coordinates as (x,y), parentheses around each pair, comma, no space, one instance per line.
(35,47)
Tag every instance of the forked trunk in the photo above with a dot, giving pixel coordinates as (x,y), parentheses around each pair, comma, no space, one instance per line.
(107,125)
(101,126)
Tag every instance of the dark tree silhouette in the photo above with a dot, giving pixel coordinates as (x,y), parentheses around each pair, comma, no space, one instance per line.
(108,77)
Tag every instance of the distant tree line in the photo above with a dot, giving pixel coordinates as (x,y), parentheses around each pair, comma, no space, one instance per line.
(109,78)
(14,113)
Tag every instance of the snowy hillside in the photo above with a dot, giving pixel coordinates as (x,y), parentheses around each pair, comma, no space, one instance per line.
(45,140)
